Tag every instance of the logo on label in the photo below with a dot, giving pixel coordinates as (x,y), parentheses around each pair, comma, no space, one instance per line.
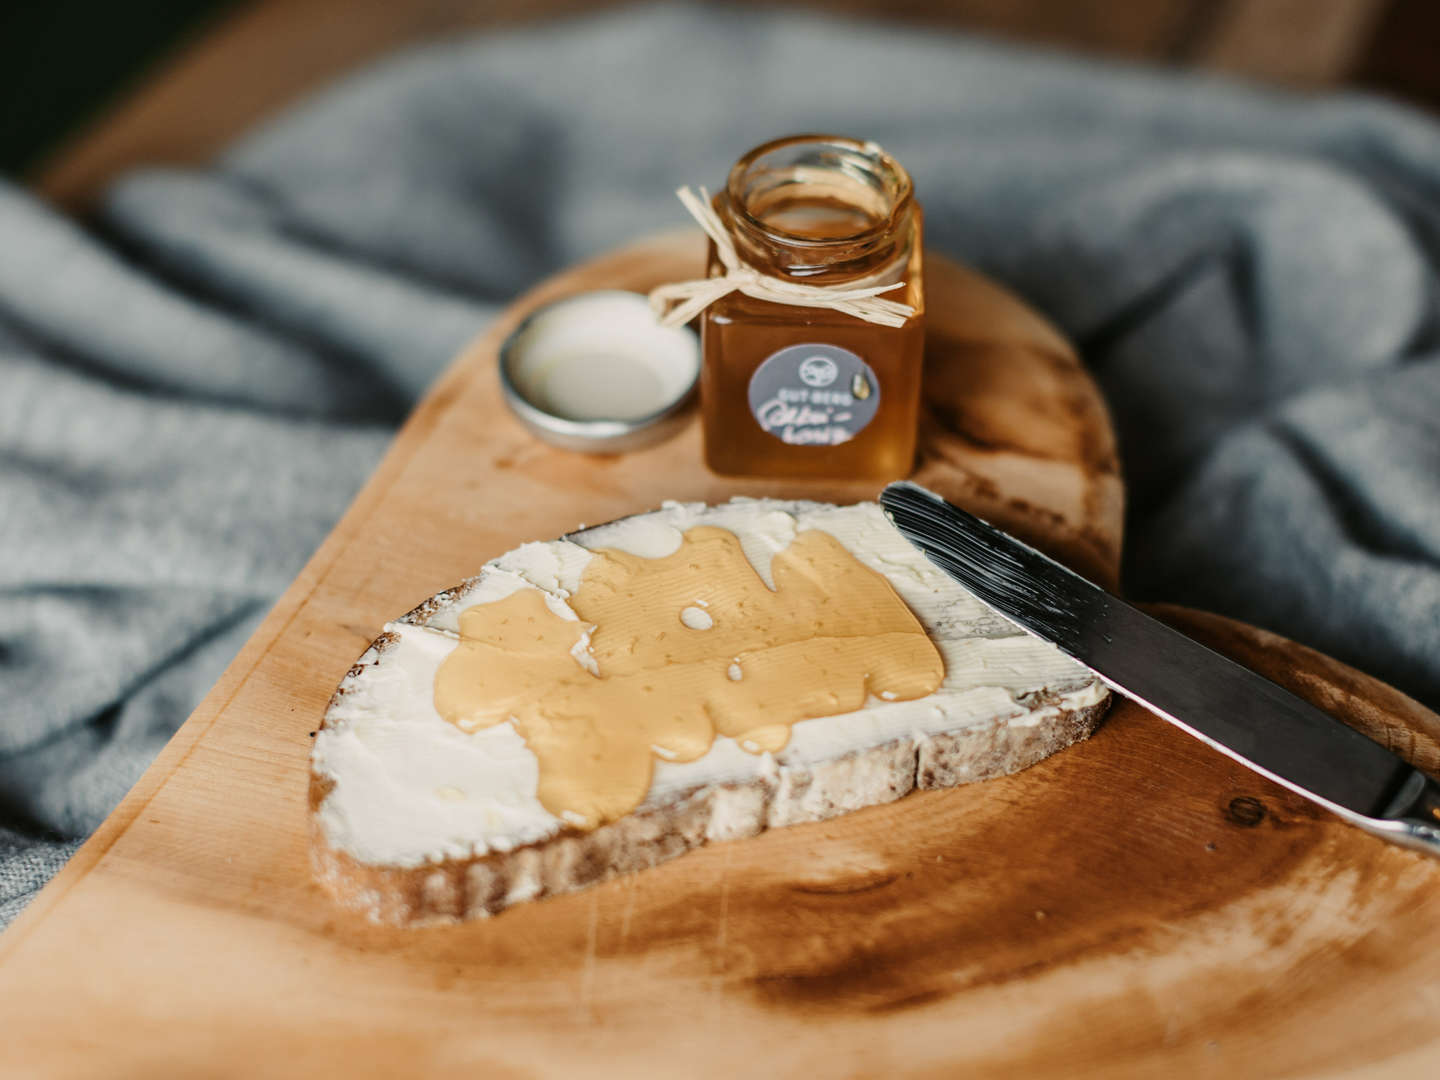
(814,395)
(818,371)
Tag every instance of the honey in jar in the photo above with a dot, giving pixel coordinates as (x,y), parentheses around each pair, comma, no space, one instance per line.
(789,390)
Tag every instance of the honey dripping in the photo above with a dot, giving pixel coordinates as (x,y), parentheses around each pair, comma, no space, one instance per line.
(791,391)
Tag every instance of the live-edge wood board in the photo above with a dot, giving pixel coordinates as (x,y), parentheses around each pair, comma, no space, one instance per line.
(1137,905)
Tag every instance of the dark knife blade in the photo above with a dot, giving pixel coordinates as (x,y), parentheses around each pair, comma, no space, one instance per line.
(1242,714)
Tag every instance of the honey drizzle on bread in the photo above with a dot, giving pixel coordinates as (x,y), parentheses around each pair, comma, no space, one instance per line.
(662,654)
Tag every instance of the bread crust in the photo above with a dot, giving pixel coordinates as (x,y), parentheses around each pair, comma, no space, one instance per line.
(454,890)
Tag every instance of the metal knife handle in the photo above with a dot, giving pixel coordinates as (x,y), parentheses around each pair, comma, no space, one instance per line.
(1413,816)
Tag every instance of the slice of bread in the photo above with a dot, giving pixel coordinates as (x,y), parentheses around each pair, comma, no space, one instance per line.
(414,819)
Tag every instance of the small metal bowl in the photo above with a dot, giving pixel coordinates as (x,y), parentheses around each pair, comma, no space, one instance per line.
(594,372)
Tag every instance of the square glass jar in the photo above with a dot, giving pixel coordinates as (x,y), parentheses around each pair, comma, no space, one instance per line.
(799,391)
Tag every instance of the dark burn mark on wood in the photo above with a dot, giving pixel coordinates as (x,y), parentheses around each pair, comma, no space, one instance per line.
(968,869)
(910,1001)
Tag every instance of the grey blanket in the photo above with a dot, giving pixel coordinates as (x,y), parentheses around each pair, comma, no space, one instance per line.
(192,390)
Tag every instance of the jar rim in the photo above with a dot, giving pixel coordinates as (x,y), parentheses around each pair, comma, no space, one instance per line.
(885,165)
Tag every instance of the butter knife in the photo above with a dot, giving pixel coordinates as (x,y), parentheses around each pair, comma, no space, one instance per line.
(1231,708)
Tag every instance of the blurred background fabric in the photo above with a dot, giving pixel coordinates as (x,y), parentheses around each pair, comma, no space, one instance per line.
(194,384)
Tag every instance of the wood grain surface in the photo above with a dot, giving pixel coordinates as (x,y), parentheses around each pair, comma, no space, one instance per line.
(1137,905)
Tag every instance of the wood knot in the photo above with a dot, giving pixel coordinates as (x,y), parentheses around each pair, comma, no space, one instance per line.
(1245,811)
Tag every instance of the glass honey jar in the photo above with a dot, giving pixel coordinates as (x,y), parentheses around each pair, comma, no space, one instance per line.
(805,389)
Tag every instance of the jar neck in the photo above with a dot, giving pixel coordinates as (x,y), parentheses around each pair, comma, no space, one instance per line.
(819,209)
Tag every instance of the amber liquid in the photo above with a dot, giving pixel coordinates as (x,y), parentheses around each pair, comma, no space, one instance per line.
(739,333)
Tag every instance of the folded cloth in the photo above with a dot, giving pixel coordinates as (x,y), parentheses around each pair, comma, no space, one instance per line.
(191,392)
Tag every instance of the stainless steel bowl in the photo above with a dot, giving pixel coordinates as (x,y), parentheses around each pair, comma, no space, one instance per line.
(596,334)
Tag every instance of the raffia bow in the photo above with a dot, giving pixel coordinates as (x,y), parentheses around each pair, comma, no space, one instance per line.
(678,303)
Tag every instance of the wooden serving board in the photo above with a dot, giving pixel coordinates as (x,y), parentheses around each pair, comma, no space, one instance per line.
(1137,905)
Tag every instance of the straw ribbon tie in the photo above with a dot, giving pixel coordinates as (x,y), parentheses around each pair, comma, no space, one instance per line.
(680,302)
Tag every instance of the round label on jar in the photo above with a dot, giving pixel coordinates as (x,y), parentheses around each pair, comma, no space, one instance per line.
(814,395)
